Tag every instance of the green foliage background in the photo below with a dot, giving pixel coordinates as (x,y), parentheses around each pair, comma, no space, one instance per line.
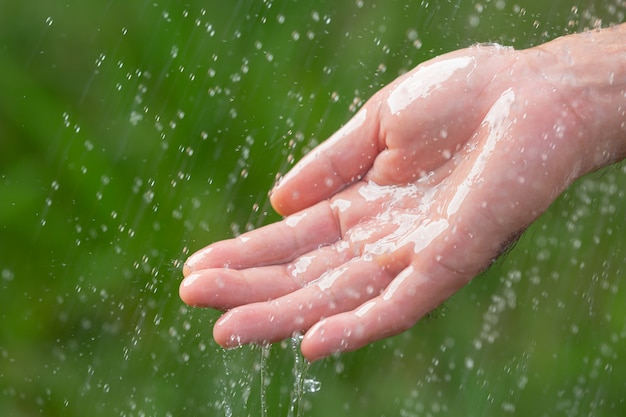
(134,132)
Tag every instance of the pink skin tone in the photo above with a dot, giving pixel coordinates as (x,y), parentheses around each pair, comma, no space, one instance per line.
(437,174)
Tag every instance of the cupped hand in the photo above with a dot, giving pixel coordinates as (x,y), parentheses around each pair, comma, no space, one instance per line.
(419,192)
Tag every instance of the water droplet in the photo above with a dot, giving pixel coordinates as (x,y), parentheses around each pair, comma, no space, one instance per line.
(508,407)
(311,385)
(7,274)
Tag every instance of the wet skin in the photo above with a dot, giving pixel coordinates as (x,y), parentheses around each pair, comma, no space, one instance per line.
(414,196)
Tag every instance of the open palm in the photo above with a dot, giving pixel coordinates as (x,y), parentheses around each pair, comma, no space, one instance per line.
(417,194)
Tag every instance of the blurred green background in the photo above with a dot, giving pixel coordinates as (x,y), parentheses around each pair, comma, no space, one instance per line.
(133,133)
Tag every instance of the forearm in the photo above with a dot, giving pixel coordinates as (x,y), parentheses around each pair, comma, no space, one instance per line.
(589,69)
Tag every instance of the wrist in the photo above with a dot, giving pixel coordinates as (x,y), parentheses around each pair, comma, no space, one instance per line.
(589,72)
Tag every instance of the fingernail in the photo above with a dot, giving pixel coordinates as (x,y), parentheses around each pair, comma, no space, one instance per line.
(195,259)
(310,334)
(188,281)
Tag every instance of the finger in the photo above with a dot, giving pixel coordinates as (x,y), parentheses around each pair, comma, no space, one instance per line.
(340,290)
(273,244)
(343,159)
(225,288)
(409,297)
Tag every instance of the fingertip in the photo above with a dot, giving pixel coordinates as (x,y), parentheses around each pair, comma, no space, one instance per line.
(286,198)
(341,333)
(326,338)
(196,261)
(312,345)
(186,290)
(278,201)
(223,334)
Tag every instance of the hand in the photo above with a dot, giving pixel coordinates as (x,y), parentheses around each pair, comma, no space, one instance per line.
(418,193)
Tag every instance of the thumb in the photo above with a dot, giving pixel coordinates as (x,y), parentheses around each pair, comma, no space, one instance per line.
(338,162)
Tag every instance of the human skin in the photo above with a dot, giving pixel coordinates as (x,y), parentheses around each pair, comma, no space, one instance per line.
(427,184)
